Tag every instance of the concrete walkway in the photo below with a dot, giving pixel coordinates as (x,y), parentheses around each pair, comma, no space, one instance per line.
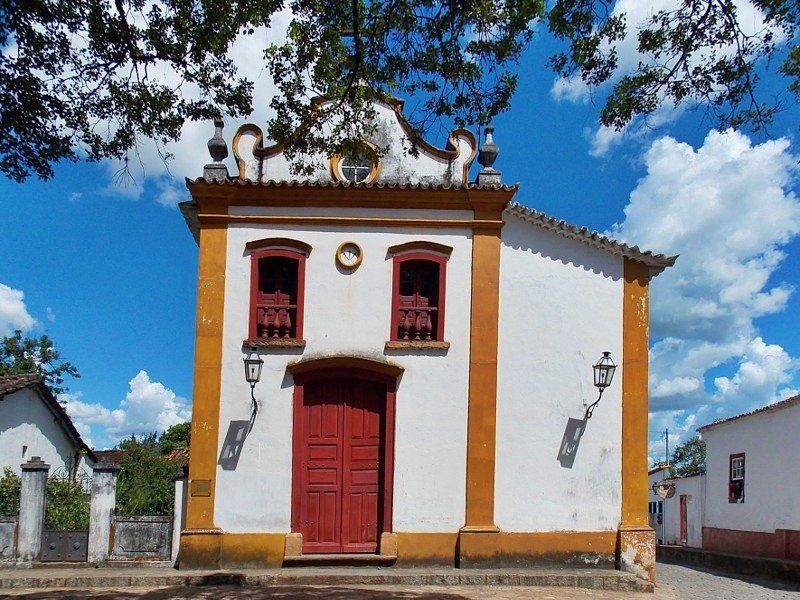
(123,578)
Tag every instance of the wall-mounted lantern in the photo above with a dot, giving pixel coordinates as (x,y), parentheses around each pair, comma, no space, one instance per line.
(252,373)
(603,374)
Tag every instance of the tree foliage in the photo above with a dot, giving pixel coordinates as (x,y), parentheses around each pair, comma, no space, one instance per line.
(699,52)
(20,355)
(91,78)
(66,504)
(10,486)
(177,436)
(145,485)
(689,458)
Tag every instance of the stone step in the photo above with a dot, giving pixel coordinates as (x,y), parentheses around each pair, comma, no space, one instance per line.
(597,579)
(327,560)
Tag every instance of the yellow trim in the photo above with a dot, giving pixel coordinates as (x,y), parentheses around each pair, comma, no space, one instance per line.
(635,323)
(211,218)
(207,376)
(481,410)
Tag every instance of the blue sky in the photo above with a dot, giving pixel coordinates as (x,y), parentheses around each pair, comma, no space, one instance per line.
(110,272)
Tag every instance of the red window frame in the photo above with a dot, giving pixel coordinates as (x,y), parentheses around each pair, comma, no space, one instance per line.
(291,249)
(736,486)
(422,251)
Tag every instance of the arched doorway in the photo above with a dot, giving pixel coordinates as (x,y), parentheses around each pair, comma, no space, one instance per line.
(343,450)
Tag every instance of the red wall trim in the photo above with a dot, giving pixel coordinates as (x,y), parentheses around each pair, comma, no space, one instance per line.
(297,245)
(390,381)
(782,543)
(300,257)
(398,260)
(421,246)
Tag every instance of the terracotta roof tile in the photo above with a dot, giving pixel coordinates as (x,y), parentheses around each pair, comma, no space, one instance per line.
(656,262)
(14,383)
(768,408)
(235,181)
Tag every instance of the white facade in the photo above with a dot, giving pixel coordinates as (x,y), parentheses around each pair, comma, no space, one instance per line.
(560,309)
(29,428)
(771,444)
(349,313)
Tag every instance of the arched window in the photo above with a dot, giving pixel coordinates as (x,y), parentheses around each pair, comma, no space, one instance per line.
(418,292)
(277,282)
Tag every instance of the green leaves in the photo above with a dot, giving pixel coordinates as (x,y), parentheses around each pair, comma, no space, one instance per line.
(20,355)
(689,458)
(10,486)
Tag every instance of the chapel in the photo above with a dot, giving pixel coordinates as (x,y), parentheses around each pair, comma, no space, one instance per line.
(398,360)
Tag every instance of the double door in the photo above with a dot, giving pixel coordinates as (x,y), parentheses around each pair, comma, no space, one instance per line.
(339,493)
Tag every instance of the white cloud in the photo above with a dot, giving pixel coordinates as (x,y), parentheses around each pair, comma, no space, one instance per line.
(188,155)
(75,196)
(728,210)
(637,14)
(51,316)
(148,406)
(13,312)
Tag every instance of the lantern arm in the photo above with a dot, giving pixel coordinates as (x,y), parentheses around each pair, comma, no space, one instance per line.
(590,409)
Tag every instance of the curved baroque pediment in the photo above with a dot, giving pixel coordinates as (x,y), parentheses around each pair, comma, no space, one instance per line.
(399,164)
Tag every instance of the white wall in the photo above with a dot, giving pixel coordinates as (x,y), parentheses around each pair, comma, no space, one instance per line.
(348,314)
(771,444)
(26,421)
(560,308)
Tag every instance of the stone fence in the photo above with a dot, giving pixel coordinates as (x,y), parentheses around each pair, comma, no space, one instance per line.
(110,537)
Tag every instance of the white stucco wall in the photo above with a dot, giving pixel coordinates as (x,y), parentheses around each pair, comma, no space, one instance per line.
(348,314)
(560,308)
(26,423)
(771,444)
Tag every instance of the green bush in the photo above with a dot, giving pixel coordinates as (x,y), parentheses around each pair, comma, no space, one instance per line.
(67,505)
(145,485)
(10,485)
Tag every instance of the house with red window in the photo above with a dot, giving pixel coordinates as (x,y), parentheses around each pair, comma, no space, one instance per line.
(752,482)
(426,340)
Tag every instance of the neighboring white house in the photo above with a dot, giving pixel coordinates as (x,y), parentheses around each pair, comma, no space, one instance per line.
(677,513)
(33,423)
(428,347)
(753,482)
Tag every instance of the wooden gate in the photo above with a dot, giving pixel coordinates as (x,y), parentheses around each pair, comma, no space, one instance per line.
(340,478)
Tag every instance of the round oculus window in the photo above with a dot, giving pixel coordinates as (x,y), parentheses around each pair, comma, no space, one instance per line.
(349,255)
(358,165)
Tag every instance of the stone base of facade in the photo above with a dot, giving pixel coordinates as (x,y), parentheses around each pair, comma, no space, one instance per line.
(637,552)
(782,543)
(214,549)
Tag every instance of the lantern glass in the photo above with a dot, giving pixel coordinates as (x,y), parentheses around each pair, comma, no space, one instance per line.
(604,371)
(252,368)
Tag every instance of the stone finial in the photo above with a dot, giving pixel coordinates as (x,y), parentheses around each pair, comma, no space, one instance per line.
(486,157)
(218,149)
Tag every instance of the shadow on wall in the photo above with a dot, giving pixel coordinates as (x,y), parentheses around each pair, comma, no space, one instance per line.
(248,593)
(570,442)
(530,238)
(233,444)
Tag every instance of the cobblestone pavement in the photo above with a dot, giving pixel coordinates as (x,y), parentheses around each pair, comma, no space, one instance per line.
(693,584)
(342,593)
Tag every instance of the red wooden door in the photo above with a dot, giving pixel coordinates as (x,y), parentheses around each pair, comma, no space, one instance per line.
(341,467)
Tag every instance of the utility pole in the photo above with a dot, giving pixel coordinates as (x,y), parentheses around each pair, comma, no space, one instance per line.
(666,445)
